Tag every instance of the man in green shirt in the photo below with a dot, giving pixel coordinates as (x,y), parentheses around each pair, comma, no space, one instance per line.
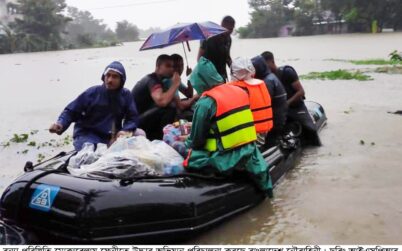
(246,157)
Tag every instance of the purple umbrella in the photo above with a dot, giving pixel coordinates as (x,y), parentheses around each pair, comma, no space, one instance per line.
(181,33)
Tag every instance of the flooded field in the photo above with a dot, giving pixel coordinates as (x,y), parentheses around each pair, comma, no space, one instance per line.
(348,191)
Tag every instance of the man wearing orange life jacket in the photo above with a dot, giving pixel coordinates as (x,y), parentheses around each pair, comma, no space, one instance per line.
(260,100)
(223,134)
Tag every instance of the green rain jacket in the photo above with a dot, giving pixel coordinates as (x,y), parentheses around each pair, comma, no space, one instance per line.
(246,157)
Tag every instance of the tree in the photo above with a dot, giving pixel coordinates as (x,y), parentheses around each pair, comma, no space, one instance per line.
(86,31)
(8,40)
(41,25)
(127,32)
(305,12)
(267,17)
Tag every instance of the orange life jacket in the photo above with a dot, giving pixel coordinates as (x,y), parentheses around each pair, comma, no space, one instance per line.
(260,105)
(234,124)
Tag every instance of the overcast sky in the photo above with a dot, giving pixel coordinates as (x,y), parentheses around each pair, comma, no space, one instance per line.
(164,13)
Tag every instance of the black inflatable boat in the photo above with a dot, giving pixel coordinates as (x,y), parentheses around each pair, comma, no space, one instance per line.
(56,207)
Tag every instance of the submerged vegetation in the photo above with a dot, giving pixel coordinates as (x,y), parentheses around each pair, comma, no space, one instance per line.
(396,69)
(337,75)
(391,66)
(26,143)
(374,62)
(395,58)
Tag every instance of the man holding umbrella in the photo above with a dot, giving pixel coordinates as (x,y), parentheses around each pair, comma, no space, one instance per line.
(149,93)
(217,48)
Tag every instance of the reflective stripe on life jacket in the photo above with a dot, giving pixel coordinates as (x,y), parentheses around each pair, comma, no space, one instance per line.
(260,105)
(233,119)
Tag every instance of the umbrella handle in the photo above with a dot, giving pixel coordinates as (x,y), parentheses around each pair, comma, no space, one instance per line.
(188,46)
(185,53)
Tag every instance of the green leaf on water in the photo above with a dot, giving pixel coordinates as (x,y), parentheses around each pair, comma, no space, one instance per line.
(32,143)
(20,138)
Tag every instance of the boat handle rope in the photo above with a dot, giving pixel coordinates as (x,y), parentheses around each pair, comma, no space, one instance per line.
(25,191)
(129,181)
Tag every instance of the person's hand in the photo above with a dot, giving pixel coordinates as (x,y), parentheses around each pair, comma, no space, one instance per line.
(176,80)
(118,135)
(56,128)
(124,134)
(183,138)
(188,71)
(196,97)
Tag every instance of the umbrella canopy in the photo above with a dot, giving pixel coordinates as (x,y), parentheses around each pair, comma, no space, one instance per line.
(182,33)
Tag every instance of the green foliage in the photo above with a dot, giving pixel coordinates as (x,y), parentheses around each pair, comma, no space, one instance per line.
(268,16)
(85,31)
(41,25)
(337,75)
(374,62)
(396,57)
(127,32)
(19,138)
(8,40)
(266,19)
(41,157)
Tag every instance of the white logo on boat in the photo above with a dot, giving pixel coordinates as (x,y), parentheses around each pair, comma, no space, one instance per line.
(42,199)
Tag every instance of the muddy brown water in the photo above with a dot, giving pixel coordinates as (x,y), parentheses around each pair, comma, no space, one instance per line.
(344,192)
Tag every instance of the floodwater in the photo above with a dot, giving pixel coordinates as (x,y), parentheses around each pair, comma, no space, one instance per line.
(344,192)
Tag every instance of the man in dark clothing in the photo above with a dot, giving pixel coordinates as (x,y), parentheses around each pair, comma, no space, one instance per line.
(158,105)
(297,110)
(102,112)
(278,98)
(217,49)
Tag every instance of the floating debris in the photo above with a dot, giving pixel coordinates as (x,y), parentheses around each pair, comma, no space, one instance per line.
(399,112)
(396,69)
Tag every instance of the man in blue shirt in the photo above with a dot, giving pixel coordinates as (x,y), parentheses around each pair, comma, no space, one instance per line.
(101,113)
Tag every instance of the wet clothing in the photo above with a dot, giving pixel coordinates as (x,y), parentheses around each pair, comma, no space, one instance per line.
(302,115)
(233,124)
(246,157)
(276,90)
(98,112)
(217,50)
(152,117)
(288,75)
(143,89)
(260,103)
(298,110)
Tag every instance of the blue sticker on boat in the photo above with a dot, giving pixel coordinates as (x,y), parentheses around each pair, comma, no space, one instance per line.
(43,197)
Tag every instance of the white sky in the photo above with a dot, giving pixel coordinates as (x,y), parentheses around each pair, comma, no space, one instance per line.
(164,13)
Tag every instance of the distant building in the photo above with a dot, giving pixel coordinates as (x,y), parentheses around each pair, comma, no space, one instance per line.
(7,11)
(328,24)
